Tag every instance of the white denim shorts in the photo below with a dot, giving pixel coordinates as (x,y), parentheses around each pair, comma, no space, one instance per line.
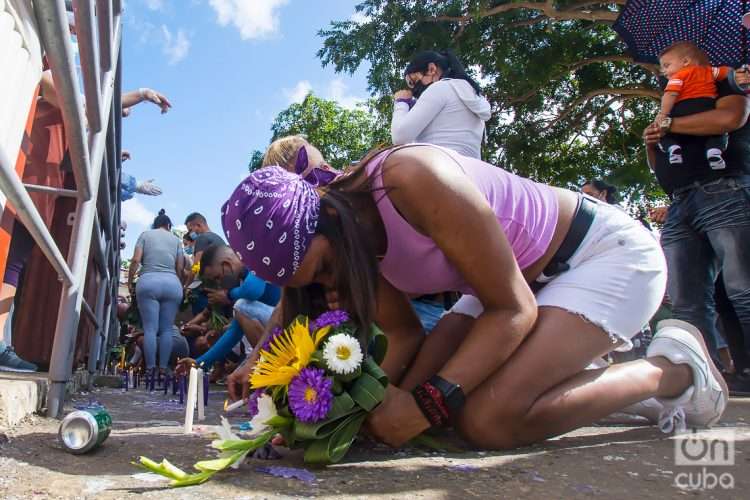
(616,280)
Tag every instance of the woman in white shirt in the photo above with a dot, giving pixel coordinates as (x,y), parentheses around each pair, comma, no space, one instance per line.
(443,105)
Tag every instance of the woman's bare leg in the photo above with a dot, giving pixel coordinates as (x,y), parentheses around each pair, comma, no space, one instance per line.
(437,348)
(543,390)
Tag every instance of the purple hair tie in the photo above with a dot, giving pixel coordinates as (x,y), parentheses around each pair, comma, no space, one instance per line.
(316,176)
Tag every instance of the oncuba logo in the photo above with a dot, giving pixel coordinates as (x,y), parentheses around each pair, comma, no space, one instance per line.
(700,451)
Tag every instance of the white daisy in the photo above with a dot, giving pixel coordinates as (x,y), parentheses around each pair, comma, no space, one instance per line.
(342,354)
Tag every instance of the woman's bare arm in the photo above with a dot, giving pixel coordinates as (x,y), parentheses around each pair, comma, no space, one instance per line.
(432,193)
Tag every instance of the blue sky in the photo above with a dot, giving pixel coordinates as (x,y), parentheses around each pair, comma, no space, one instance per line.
(228,67)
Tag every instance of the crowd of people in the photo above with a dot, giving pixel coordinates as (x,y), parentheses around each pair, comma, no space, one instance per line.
(504,300)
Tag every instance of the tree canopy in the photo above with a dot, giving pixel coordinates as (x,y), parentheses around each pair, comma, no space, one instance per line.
(342,135)
(568,102)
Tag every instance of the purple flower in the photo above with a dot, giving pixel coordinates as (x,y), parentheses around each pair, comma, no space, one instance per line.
(310,395)
(330,318)
(252,402)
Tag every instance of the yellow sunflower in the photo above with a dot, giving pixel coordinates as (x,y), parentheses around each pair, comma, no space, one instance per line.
(288,353)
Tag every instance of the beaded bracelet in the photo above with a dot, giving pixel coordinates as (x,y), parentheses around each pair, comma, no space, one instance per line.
(430,401)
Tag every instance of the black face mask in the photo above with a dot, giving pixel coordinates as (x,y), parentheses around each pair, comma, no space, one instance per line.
(419,88)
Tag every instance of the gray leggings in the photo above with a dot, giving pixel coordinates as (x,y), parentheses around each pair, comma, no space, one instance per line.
(159,296)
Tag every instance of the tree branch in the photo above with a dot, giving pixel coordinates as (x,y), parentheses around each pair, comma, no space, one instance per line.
(546,8)
(589,3)
(620,93)
(568,69)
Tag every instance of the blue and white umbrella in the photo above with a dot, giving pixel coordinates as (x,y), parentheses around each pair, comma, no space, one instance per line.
(716,26)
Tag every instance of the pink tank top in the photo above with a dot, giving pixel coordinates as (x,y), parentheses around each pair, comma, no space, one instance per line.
(526,211)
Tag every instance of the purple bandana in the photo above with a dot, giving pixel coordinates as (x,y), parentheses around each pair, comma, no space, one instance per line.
(321,175)
(270,220)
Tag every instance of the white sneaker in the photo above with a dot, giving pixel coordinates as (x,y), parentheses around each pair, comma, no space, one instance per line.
(703,403)
(650,409)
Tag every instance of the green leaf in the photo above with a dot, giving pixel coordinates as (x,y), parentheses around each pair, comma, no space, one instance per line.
(165,468)
(370,367)
(333,448)
(378,344)
(192,479)
(219,464)
(367,392)
(243,444)
(279,421)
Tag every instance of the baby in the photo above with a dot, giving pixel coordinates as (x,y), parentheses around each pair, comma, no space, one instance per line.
(691,89)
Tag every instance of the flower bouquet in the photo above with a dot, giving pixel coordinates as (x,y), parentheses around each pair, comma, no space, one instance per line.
(313,384)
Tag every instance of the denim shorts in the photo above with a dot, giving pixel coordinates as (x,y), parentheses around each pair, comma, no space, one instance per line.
(254,309)
(616,280)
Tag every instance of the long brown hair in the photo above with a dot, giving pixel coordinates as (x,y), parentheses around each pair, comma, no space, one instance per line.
(355,263)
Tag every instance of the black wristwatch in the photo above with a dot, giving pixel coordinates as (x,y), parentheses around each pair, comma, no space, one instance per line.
(453,394)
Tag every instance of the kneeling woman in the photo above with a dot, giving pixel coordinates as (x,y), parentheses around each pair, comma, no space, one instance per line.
(421,219)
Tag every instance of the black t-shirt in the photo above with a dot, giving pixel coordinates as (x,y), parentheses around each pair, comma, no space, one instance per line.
(205,240)
(737,156)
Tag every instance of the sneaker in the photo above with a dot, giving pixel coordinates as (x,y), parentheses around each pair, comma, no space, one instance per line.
(10,362)
(715,160)
(703,403)
(650,409)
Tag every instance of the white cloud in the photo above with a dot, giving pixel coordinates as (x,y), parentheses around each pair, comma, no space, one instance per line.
(155,4)
(299,92)
(337,92)
(253,18)
(360,18)
(175,47)
(136,214)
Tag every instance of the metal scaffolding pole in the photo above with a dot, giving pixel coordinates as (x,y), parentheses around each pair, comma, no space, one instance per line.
(53,25)
(102,326)
(66,329)
(85,28)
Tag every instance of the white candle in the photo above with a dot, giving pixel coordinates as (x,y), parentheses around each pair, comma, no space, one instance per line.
(201,402)
(191,400)
(233,406)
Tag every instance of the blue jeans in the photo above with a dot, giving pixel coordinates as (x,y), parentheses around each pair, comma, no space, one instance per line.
(159,296)
(708,230)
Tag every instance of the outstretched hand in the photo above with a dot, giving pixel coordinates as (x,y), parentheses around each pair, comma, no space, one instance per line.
(148,188)
(157,98)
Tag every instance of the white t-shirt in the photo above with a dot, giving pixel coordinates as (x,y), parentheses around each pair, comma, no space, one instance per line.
(449,113)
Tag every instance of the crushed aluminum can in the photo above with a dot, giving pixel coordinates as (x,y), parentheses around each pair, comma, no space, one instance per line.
(84,430)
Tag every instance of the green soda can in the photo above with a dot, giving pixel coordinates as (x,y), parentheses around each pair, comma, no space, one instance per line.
(83,430)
